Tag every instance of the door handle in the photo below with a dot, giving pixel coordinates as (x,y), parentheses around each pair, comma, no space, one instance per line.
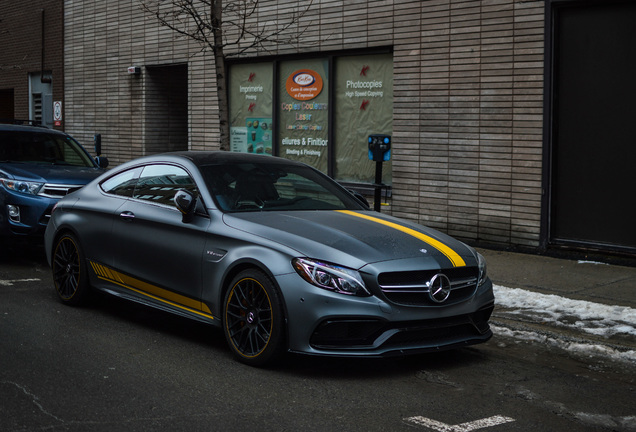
(127,215)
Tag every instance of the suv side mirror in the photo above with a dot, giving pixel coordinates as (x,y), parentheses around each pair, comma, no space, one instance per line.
(102,161)
(98,144)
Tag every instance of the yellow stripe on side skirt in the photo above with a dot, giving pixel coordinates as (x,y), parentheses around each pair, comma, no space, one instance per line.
(453,256)
(151,291)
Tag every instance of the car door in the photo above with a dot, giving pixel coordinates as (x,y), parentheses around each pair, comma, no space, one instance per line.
(157,249)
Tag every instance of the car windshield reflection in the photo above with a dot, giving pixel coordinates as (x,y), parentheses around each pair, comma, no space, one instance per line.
(41,148)
(271,187)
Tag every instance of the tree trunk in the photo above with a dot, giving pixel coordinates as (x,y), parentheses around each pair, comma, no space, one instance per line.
(219,62)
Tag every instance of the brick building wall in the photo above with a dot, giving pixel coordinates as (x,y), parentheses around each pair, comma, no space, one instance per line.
(21,49)
(103,39)
(468,96)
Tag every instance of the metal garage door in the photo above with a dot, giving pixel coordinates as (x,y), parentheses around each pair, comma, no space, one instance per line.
(593,181)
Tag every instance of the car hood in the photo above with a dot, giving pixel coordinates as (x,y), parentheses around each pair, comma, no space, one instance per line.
(354,239)
(59,174)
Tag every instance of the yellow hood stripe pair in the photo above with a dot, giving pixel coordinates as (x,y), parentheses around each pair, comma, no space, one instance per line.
(453,256)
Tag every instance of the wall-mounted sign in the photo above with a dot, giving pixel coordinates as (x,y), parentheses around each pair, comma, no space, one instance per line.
(57,113)
(304,84)
(303,108)
(250,90)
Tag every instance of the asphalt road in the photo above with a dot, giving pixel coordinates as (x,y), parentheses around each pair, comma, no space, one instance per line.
(116,366)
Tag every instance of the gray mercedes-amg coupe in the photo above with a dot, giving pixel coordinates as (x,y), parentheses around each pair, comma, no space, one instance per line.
(272,251)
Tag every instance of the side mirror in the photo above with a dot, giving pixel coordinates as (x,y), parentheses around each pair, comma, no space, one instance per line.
(186,202)
(97,138)
(102,161)
(360,198)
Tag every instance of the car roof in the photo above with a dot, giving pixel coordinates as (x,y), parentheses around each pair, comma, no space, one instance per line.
(201,158)
(29,129)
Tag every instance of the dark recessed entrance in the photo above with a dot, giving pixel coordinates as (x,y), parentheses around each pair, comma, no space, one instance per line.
(166,110)
(593,198)
(7,104)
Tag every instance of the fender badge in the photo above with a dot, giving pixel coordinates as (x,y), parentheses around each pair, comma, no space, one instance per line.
(423,251)
(215,255)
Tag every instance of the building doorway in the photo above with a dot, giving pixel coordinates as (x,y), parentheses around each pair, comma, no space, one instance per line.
(41,99)
(593,178)
(7,104)
(166,112)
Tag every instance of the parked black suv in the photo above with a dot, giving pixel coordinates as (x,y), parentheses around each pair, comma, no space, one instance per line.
(38,166)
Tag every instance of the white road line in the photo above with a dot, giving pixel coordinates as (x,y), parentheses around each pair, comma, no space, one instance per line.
(463,427)
(11,282)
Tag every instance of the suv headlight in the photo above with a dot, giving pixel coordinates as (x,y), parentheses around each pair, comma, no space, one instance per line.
(31,188)
(483,271)
(330,277)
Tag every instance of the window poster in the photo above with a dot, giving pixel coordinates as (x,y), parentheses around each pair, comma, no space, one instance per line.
(363,106)
(303,111)
(250,98)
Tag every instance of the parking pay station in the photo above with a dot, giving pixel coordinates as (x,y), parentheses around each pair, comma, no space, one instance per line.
(379,151)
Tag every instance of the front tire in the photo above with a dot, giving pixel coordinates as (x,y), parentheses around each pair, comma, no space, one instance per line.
(69,271)
(253,319)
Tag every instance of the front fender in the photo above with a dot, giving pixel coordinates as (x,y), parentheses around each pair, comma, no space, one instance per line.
(225,258)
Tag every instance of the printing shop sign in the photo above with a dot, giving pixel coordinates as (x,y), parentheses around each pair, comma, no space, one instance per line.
(251,87)
(303,114)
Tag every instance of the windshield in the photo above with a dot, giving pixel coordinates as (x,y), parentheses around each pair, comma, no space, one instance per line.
(42,148)
(273,186)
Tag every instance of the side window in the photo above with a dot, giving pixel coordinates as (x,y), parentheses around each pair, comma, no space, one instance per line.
(123,184)
(159,184)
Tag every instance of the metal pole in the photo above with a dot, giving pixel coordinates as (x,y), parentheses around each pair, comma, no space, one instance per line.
(378,186)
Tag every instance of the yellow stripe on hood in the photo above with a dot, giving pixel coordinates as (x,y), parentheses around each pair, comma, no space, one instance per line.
(453,256)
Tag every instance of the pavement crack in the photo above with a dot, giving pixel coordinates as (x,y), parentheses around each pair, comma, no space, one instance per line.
(34,400)
(604,421)
(436,378)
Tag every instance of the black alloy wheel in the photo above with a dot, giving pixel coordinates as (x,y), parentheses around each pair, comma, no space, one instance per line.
(253,319)
(69,271)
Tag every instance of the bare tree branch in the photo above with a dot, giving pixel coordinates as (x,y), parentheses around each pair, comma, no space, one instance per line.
(191,19)
(216,25)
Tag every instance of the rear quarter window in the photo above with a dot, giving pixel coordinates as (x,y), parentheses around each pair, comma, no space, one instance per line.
(122,184)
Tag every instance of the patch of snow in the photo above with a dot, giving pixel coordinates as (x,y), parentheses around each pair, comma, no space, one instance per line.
(584,349)
(580,315)
(594,318)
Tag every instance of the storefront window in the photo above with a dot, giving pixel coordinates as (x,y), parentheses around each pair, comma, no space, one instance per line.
(303,111)
(363,106)
(251,90)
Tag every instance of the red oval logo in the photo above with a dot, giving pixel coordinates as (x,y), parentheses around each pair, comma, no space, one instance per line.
(304,84)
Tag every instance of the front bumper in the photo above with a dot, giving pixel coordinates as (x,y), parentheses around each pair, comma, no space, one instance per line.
(325,323)
(35,212)
(401,337)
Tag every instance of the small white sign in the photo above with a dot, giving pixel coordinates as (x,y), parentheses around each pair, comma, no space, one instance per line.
(57,111)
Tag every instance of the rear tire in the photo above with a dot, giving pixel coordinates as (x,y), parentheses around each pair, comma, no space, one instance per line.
(70,274)
(253,320)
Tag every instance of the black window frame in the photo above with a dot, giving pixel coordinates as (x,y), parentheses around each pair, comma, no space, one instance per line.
(363,188)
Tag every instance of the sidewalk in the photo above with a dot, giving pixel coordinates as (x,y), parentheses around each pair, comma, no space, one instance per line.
(581,280)
(587,308)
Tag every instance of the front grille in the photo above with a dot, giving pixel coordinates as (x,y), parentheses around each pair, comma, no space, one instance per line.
(412,288)
(58,190)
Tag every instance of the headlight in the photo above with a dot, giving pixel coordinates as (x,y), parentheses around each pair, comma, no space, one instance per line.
(483,273)
(330,277)
(26,187)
